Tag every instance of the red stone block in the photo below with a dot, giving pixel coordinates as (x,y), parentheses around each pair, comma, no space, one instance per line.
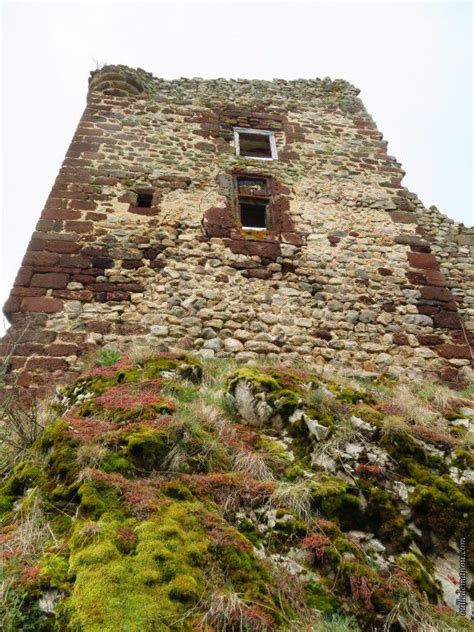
(60,213)
(449,320)
(416,278)
(218,222)
(41,304)
(23,276)
(17,362)
(12,305)
(60,246)
(75,261)
(118,297)
(448,374)
(435,293)
(41,258)
(28,348)
(47,363)
(267,249)
(28,291)
(434,277)
(428,310)
(98,326)
(403,217)
(454,351)
(422,260)
(400,339)
(95,217)
(55,280)
(79,226)
(83,205)
(429,340)
(61,349)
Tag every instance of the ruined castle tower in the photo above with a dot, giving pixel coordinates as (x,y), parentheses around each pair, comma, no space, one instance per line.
(240,218)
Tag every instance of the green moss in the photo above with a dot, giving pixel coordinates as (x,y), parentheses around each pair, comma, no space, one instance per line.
(417,571)
(244,572)
(294,471)
(98,384)
(61,524)
(348,395)
(319,598)
(6,503)
(97,498)
(146,448)
(382,516)
(249,530)
(184,588)
(262,381)
(332,496)
(23,476)
(182,393)
(139,593)
(288,529)
(369,414)
(61,450)
(440,505)
(51,434)
(402,448)
(463,460)
(177,490)
(55,571)
(116,462)
(186,368)
(274,449)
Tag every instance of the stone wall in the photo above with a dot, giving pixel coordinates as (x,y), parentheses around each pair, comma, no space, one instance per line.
(353,270)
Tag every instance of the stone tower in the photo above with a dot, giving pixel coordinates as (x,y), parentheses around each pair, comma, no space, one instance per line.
(240,218)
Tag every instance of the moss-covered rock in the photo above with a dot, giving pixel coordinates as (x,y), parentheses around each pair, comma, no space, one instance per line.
(147,505)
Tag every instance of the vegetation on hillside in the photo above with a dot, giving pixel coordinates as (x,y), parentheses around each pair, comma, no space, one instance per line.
(159,492)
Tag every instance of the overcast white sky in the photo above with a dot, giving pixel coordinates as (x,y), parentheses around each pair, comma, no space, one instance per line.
(412,62)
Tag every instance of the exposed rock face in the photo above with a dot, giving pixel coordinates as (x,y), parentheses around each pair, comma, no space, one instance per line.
(170,493)
(142,237)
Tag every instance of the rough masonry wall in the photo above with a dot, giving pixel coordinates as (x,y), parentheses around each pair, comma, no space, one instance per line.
(353,272)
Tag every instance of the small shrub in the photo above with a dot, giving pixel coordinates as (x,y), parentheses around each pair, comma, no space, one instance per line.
(317,543)
(108,358)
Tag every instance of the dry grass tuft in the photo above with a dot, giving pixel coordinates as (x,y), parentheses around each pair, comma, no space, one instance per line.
(225,611)
(296,497)
(33,530)
(254,464)
(20,427)
(211,417)
(410,406)
(90,455)
(408,614)
(139,352)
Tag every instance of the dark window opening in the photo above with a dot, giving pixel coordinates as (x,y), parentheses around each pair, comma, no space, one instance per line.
(144,200)
(255,145)
(253,213)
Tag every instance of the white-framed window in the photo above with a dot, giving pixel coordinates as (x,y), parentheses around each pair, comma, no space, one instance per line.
(257,144)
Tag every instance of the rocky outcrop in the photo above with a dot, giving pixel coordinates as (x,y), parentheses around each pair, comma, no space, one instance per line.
(167,492)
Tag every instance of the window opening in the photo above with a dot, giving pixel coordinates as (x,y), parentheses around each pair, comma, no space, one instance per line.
(254,143)
(253,213)
(144,200)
